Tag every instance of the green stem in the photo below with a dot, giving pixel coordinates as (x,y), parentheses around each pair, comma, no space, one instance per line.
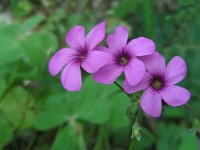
(138,117)
(192,110)
(131,146)
(102,140)
(129,95)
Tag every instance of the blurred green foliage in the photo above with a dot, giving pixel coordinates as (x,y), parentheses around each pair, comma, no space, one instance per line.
(37,113)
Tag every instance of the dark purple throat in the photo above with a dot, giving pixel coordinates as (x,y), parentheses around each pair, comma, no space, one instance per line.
(123,59)
(157,82)
(82,55)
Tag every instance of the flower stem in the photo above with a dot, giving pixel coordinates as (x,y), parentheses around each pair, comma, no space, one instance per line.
(129,95)
(137,119)
(131,146)
(192,110)
(136,129)
(139,116)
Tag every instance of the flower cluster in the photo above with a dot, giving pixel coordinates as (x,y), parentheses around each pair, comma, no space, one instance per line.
(144,68)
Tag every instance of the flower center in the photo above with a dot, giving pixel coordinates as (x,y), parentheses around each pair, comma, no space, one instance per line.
(157,84)
(123,60)
(82,56)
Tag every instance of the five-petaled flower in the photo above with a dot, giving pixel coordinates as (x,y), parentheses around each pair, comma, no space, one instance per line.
(159,83)
(148,72)
(124,57)
(81,53)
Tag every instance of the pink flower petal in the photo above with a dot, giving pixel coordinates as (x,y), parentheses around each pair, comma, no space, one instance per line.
(95,36)
(102,48)
(151,103)
(118,40)
(140,86)
(75,38)
(60,59)
(141,46)
(108,74)
(176,70)
(71,77)
(175,95)
(95,60)
(134,71)
(154,63)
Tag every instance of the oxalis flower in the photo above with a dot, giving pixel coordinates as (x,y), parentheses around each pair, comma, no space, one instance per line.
(81,53)
(124,57)
(159,83)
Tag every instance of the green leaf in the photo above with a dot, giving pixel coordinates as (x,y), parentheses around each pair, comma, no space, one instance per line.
(37,46)
(125,7)
(170,138)
(101,141)
(16,106)
(88,104)
(148,15)
(5,131)
(189,142)
(9,47)
(146,141)
(119,104)
(28,119)
(196,125)
(81,142)
(11,36)
(66,138)
(94,104)
(143,144)
(31,22)
(2,86)
(9,55)
(177,112)
(21,8)
(56,111)
(7,35)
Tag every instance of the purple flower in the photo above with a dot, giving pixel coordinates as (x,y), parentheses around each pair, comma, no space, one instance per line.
(124,57)
(159,83)
(81,53)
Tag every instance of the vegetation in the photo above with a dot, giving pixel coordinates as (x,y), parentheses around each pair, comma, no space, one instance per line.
(36,113)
